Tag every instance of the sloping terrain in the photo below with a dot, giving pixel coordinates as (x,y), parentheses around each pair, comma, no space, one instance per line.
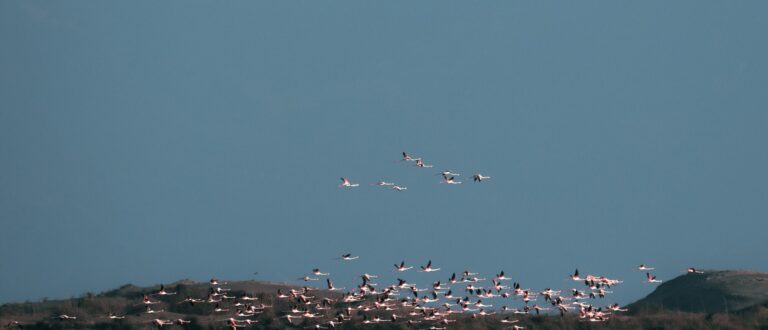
(712,292)
(92,310)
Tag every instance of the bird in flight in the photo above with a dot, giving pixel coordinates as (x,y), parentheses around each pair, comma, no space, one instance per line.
(348,257)
(449,173)
(330,285)
(65,317)
(161,323)
(617,308)
(384,184)
(146,301)
(449,180)
(651,278)
(575,276)
(162,292)
(317,272)
(346,184)
(149,310)
(428,268)
(644,267)
(14,324)
(420,163)
(501,277)
(694,271)
(408,158)
(191,301)
(479,177)
(402,267)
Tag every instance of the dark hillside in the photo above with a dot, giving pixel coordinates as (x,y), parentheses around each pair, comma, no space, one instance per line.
(711,292)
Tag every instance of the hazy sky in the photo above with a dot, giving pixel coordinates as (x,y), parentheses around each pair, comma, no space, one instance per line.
(145,142)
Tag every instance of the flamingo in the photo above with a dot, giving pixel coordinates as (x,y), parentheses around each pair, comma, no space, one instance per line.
(146,301)
(218,309)
(290,318)
(317,272)
(330,285)
(508,320)
(191,301)
(246,297)
(617,308)
(161,323)
(367,277)
(420,163)
(428,268)
(694,271)
(348,257)
(65,317)
(450,180)
(501,277)
(651,279)
(402,284)
(384,184)
(346,184)
(401,267)
(13,324)
(408,158)
(479,177)
(149,310)
(162,292)
(575,276)
(233,324)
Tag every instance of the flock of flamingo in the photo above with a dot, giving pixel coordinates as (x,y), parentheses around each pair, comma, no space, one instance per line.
(431,307)
(448,176)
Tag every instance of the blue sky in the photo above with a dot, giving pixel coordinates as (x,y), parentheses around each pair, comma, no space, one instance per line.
(145,142)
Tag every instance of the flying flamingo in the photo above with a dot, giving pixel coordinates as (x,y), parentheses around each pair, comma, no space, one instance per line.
(428,268)
(449,180)
(384,184)
(479,177)
(161,323)
(113,316)
(346,184)
(162,292)
(420,163)
(575,276)
(651,278)
(694,271)
(317,272)
(401,267)
(408,158)
(348,257)
(330,285)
